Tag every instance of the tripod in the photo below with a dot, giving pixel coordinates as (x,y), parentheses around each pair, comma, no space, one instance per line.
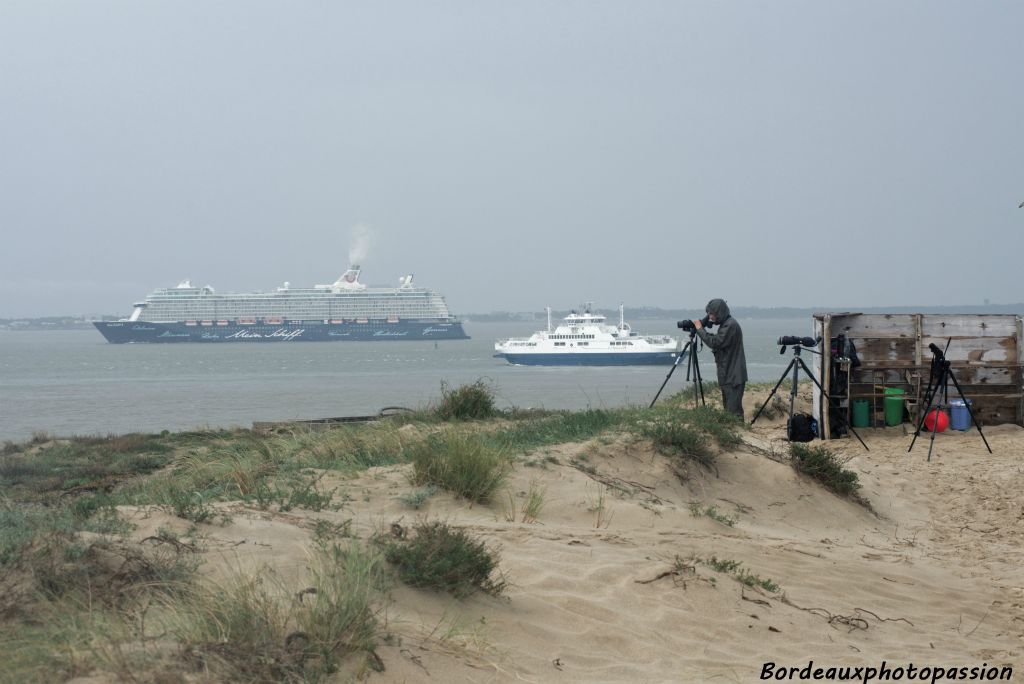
(940,375)
(795,365)
(692,367)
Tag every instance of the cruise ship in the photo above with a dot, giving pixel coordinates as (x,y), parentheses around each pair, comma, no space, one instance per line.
(346,310)
(583,339)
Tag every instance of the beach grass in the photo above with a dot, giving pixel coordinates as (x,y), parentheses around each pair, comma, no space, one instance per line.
(819,463)
(443,557)
(474,401)
(464,464)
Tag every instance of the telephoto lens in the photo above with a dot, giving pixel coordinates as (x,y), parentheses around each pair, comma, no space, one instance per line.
(688,325)
(788,340)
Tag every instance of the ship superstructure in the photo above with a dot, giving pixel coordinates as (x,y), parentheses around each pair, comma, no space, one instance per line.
(344,310)
(583,339)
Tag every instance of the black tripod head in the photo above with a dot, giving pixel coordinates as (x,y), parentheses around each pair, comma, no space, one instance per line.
(939,362)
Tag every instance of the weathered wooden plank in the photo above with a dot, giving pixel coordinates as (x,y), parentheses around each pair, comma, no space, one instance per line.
(969,325)
(990,391)
(1007,375)
(875,351)
(875,325)
(976,349)
(822,365)
(995,413)
(986,375)
(887,375)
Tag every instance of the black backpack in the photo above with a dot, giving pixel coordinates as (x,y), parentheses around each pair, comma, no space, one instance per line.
(802,427)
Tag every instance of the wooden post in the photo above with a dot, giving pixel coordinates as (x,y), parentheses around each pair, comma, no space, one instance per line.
(1018,374)
(826,374)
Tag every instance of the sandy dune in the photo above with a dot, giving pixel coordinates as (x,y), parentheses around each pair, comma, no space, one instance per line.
(610,583)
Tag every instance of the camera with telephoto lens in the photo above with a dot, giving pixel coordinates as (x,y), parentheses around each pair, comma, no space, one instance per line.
(688,325)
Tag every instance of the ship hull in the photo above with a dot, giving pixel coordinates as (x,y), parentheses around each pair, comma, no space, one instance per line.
(124,332)
(591,359)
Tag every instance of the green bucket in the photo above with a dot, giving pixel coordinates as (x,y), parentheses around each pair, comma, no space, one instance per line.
(861,414)
(893,405)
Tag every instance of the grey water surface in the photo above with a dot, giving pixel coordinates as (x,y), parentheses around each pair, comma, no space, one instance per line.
(75,383)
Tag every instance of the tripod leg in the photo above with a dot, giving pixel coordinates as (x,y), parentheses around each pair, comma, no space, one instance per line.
(829,399)
(928,397)
(793,383)
(969,411)
(670,372)
(938,409)
(774,389)
(927,401)
(700,379)
(698,386)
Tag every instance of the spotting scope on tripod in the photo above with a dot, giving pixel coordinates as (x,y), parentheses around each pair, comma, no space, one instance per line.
(798,344)
(937,396)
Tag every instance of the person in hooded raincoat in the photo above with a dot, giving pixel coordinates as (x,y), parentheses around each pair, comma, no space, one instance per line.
(727,346)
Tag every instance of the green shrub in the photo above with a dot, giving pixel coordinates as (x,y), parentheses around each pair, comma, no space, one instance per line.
(44,558)
(722,425)
(325,531)
(418,497)
(446,558)
(189,505)
(300,492)
(468,402)
(20,526)
(673,437)
(83,465)
(822,465)
(463,464)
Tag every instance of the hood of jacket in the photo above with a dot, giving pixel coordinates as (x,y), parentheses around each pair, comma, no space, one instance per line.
(719,308)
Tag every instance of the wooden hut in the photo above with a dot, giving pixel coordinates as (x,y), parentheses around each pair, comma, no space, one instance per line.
(984,351)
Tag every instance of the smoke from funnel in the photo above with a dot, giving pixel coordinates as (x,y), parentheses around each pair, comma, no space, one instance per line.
(359,248)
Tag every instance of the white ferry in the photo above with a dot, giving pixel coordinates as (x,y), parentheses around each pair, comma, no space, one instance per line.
(585,340)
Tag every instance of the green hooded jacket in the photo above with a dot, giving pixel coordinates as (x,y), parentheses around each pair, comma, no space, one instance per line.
(726,345)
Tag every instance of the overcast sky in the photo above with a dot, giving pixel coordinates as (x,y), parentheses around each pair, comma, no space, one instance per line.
(514,154)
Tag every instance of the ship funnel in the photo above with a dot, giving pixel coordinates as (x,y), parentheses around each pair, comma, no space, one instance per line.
(349,280)
(405,282)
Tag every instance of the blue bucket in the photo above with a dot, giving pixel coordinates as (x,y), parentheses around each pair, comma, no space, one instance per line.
(959,416)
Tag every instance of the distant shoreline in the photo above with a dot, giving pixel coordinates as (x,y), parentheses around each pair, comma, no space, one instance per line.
(634,313)
(642,313)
